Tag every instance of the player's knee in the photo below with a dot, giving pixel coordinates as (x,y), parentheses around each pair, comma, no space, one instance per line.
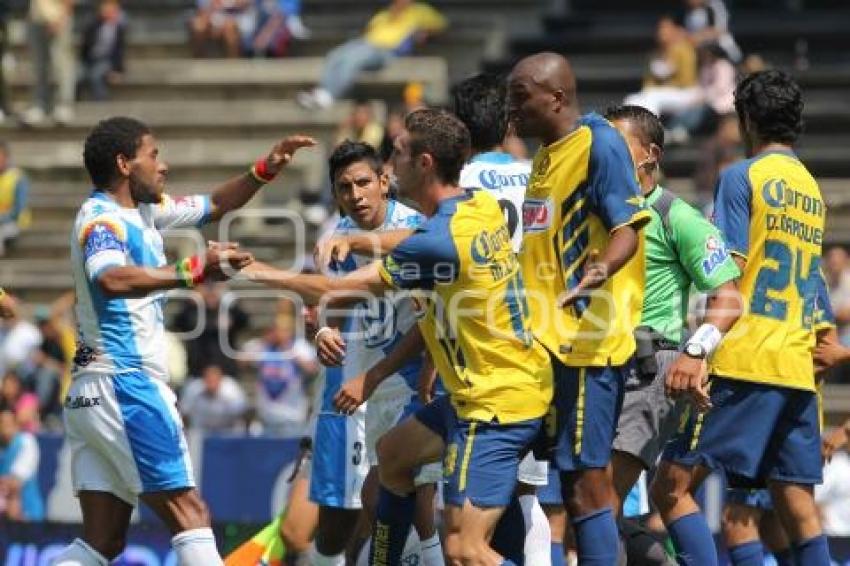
(390,458)
(295,537)
(666,490)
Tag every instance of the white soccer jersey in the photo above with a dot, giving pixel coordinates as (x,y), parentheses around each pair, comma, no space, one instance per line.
(504,177)
(372,331)
(120,335)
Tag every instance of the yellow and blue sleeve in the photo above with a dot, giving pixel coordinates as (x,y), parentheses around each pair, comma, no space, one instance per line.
(732,206)
(427,257)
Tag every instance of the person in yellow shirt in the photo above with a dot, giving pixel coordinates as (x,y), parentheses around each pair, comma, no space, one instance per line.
(14,191)
(762,427)
(392,32)
(461,269)
(585,277)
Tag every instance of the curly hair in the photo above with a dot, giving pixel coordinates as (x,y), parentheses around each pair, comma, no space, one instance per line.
(109,139)
(480,103)
(349,152)
(772,102)
(441,135)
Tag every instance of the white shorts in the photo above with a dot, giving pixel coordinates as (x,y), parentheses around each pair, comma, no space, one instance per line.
(382,415)
(533,472)
(125,436)
(339,465)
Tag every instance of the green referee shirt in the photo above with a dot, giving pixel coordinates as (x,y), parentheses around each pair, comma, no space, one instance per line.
(689,251)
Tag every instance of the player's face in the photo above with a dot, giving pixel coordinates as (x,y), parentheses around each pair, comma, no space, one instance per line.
(361,192)
(405,168)
(147,172)
(642,154)
(528,105)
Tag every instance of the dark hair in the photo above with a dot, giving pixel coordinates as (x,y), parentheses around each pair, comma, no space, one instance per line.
(441,135)
(479,102)
(109,139)
(648,125)
(772,103)
(349,152)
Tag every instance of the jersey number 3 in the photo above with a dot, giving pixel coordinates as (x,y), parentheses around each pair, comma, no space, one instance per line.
(778,279)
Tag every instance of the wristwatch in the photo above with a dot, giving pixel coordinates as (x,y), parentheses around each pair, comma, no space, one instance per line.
(695,350)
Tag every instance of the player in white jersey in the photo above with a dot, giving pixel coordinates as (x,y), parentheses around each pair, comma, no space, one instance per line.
(121,423)
(351,344)
(480,103)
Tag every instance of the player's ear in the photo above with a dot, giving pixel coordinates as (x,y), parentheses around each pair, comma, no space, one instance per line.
(426,161)
(655,153)
(122,163)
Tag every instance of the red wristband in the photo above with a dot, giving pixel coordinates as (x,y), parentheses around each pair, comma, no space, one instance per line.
(191,270)
(260,171)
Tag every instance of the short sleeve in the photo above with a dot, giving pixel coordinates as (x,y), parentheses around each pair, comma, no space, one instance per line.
(732,199)
(427,257)
(700,248)
(103,241)
(182,212)
(613,190)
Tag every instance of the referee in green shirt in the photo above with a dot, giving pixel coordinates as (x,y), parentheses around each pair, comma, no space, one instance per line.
(682,249)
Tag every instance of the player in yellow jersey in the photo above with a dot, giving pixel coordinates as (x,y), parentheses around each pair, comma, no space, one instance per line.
(585,279)
(462,269)
(763,425)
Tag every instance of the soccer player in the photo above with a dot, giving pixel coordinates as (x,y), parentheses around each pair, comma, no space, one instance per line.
(121,423)
(498,378)
(351,345)
(682,248)
(763,425)
(480,103)
(581,219)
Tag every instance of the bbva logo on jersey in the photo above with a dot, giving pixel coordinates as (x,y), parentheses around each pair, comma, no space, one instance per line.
(537,215)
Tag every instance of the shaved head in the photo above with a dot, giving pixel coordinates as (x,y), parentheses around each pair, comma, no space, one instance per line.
(542,96)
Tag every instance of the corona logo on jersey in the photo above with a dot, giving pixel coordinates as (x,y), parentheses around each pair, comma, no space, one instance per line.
(778,195)
(492,179)
(536,215)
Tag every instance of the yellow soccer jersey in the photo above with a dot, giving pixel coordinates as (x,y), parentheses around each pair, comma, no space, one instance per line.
(582,188)
(771,213)
(476,322)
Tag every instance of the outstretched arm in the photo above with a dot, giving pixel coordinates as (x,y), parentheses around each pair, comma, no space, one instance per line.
(315,289)
(371,244)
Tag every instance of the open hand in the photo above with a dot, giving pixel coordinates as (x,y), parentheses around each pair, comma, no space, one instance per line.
(352,394)
(283,151)
(224,259)
(334,248)
(595,275)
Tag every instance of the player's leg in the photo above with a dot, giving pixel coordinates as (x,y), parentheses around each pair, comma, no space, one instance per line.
(425,524)
(523,531)
(587,405)
(795,462)
(740,527)
(106,519)
(553,507)
(416,441)
(300,517)
(468,530)
(775,538)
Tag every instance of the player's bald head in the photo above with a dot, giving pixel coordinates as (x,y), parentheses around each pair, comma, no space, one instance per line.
(542,96)
(547,70)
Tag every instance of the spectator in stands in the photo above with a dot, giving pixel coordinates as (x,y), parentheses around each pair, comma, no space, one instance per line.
(232,23)
(23,403)
(716,86)
(52,36)
(836,269)
(215,403)
(391,32)
(43,377)
(708,21)
(102,53)
(278,22)
(206,348)
(394,126)
(670,84)
(361,126)
(20,497)
(718,152)
(14,196)
(5,108)
(18,339)
(285,363)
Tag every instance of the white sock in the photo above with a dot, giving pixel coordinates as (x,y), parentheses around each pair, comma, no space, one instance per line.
(317,559)
(78,553)
(432,551)
(196,547)
(411,550)
(538,535)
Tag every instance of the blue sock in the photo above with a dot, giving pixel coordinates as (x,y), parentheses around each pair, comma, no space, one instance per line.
(693,541)
(558,554)
(597,538)
(509,537)
(814,551)
(784,557)
(393,519)
(747,554)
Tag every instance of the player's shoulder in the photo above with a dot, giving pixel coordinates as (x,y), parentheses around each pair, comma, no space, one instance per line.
(738,173)
(96,205)
(603,134)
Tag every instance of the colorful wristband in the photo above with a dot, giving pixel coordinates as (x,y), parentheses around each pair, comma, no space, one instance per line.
(190,271)
(260,172)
